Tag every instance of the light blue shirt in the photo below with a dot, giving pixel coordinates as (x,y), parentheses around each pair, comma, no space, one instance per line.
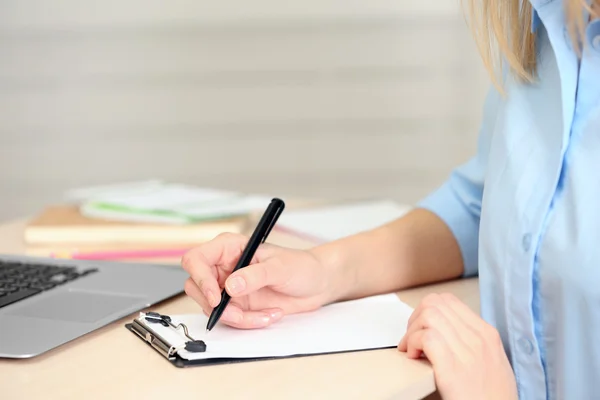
(526,213)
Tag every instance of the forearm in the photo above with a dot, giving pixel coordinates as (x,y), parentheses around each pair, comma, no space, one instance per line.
(413,250)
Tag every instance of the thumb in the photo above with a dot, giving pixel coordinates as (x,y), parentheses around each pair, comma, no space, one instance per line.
(256,276)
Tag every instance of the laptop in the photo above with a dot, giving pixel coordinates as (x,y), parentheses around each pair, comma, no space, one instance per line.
(46,302)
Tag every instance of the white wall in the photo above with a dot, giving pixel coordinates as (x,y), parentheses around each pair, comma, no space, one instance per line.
(333,98)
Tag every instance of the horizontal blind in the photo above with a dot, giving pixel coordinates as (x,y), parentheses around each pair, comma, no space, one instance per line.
(328,98)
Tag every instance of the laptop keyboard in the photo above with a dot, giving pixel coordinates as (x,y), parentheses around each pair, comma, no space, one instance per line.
(19,281)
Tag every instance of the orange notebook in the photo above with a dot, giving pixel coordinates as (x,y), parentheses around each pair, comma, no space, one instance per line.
(65,225)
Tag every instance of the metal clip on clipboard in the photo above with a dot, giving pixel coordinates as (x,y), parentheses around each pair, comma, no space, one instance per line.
(160,344)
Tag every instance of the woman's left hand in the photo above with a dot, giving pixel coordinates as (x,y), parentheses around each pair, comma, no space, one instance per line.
(466,353)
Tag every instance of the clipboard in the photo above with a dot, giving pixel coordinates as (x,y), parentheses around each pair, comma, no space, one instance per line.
(368,324)
(167,350)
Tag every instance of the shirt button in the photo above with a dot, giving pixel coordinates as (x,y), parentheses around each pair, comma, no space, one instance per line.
(596,42)
(526,241)
(526,345)
(593,34)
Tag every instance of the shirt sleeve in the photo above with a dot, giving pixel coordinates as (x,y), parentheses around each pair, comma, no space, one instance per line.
(458,200)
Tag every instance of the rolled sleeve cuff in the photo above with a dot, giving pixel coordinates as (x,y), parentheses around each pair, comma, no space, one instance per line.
(463,223)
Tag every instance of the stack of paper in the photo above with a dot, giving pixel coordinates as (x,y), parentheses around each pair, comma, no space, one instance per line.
(63,227)
(157,202)
(141,213)
(329,223)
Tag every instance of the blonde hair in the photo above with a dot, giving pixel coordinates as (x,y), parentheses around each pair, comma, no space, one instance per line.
(503,34)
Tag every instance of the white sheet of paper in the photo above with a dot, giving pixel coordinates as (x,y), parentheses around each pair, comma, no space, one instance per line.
(166,197)
(329,223)
(363,324)
(82,194)
(147,202)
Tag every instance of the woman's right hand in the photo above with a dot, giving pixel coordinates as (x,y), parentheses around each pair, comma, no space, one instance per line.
(277,282)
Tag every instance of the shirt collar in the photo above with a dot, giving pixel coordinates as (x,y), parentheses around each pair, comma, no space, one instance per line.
(535,20)
(535,16)
(536,4)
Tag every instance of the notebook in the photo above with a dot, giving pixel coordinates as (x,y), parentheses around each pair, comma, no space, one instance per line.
(370,323)
(324,224)
(64,224)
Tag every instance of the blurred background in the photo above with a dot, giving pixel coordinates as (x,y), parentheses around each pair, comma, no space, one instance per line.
(314,98)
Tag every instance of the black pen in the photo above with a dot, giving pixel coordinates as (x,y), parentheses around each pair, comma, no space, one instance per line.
(259,236)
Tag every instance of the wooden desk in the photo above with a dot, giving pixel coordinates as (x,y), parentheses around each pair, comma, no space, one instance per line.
(112,363)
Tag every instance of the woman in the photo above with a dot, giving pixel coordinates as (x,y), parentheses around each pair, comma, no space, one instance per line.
(523,214)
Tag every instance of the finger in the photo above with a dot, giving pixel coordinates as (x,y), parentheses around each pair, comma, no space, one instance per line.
(192,290)
(256,276)
(430,300)
(468,316)
(440,320)
(222,254)
(224,249)
(244,319)
(410,325)
(204,276)
(433,345)
(478,333)
(433,300)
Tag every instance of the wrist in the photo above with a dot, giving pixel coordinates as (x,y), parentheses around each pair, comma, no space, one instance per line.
(377,261)
(339,275)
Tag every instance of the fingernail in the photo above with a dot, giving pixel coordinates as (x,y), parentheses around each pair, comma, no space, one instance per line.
(232,316)
(236,285)
(211,298)
(261,321)
(276,314)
